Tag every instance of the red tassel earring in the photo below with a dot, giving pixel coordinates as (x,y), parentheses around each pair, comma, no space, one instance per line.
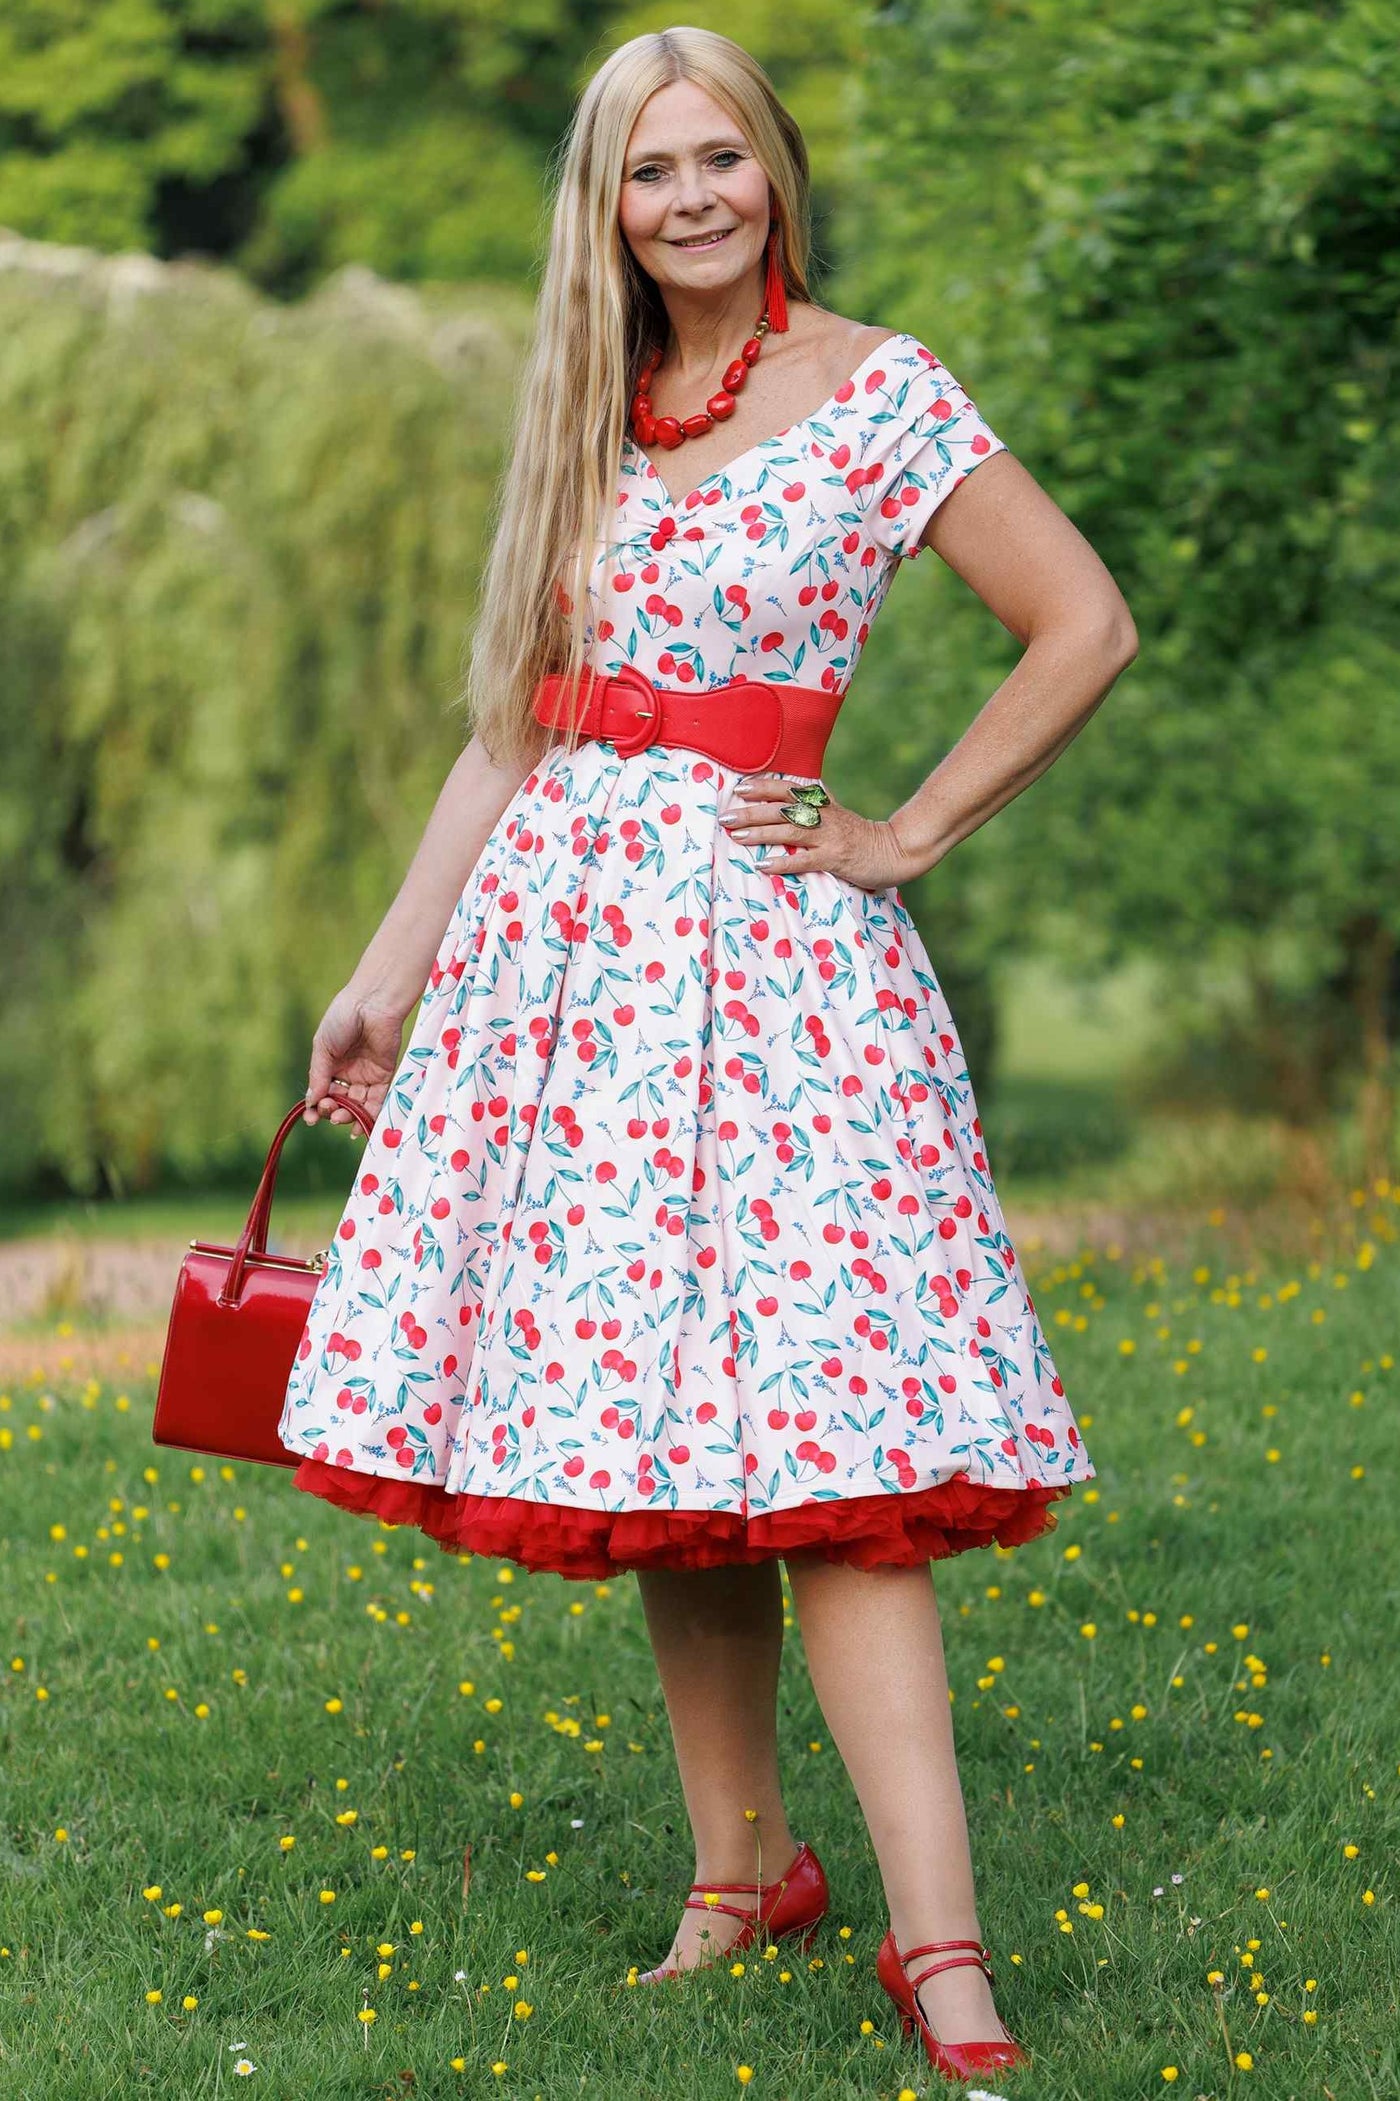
(774,299)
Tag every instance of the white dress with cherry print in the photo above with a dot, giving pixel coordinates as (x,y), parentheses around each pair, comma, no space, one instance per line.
(675,1241)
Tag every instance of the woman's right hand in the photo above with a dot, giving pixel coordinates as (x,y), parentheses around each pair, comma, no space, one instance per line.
(358,1043)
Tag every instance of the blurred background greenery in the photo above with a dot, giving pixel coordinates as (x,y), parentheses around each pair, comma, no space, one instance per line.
(266,274)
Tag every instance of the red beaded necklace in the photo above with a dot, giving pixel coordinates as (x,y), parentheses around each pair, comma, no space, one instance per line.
(671,431)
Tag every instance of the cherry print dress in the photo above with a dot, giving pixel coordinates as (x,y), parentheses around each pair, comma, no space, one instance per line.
(675,1241)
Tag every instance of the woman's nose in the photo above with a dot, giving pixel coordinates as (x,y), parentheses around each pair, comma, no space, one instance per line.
(694,192)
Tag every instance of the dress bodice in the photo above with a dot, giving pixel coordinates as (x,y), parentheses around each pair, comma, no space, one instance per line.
(775,565)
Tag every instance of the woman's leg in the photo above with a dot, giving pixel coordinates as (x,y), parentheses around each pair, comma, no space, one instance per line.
(874,1648)
(717,1635)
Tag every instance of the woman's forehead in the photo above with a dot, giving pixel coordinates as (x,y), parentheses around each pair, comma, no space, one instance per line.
(682,118)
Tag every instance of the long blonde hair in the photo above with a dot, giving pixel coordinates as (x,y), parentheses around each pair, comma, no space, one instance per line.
(597,315)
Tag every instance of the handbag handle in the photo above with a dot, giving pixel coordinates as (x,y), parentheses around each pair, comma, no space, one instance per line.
(253,1239)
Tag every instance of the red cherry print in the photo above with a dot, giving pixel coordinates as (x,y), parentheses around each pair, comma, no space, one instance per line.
(588,945)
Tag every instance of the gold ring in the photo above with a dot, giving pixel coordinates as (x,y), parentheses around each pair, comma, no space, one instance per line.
(802,813)
(812,792)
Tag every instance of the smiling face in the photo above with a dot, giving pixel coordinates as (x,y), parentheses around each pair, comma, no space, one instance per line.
(689,172)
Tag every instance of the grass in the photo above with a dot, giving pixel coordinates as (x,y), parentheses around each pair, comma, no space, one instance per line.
(1175,1716)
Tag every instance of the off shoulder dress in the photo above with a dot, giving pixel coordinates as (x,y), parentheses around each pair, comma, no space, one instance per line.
(675,1242)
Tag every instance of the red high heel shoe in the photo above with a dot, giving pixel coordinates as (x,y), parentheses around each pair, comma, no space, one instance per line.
(792,1907)
(954,2060)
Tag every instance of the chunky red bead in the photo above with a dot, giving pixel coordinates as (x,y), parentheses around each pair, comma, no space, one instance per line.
(671,431)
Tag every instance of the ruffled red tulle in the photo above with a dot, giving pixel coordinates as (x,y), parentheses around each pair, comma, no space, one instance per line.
(880,1531)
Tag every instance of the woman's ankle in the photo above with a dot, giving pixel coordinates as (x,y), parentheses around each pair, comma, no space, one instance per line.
(763,1861)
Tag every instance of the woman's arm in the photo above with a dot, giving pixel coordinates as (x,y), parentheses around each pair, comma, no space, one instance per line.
(1008,539)
(357,1045)
(394,968)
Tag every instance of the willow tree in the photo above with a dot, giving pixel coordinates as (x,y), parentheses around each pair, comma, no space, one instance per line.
(239,545)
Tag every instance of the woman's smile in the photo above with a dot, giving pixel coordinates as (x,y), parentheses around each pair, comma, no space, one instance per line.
(704,240)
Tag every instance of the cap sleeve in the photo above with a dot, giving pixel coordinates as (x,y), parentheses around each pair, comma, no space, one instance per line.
(924,440)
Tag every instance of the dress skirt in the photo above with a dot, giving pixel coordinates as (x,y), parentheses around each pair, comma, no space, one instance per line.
(675,1242)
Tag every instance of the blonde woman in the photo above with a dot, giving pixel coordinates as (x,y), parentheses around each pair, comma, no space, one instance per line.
(675,1247)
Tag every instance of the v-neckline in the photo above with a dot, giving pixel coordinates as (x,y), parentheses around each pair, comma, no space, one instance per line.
(678,503)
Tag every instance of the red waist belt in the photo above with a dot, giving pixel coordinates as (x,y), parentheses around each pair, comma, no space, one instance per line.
(746,723)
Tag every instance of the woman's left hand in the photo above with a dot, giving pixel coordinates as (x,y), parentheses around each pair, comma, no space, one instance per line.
(862,850)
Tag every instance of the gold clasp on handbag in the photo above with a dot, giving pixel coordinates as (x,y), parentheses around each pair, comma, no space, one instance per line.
(319,1261)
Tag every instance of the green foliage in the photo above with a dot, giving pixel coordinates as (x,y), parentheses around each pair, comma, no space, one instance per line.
(103,106)
(1158,245)
(410,135)
(1043,1128)
(239,549)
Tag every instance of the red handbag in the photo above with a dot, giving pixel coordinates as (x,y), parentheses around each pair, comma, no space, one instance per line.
(238,1317)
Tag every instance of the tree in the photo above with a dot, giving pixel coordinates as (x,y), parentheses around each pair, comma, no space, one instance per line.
(1172,229)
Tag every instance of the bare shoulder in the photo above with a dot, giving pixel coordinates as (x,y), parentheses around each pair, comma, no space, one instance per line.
(830,346)
(865,339)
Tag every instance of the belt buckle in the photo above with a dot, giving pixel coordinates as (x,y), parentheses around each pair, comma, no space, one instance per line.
(647,712)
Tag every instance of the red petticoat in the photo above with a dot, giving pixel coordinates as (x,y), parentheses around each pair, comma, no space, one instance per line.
(879,1531)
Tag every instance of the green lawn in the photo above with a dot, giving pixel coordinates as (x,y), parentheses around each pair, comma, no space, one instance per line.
(1176,1714)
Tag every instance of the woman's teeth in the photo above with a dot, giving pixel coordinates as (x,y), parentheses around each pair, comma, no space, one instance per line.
(709,241)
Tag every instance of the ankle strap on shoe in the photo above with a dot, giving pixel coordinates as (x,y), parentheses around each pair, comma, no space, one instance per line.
(982,1958)
(755,1889)
(694,1904)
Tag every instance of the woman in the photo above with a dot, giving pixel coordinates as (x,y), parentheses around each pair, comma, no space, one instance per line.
(674,1247)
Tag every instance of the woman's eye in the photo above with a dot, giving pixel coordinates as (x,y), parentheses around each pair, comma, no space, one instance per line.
(727,154)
